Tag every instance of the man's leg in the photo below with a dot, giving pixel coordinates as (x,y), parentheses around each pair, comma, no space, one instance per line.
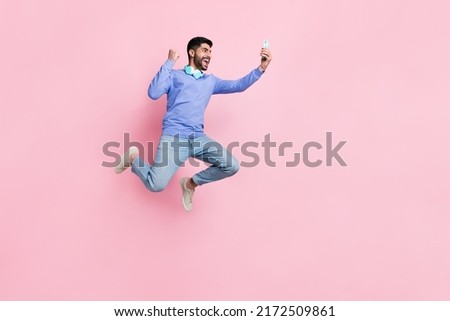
(170,155)
(223,163)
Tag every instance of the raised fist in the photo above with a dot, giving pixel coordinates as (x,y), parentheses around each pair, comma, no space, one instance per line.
(173,54)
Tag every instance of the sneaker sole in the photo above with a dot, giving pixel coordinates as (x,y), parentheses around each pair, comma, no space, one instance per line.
(182,183)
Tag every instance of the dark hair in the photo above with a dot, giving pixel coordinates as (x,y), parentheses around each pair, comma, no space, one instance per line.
(196,42)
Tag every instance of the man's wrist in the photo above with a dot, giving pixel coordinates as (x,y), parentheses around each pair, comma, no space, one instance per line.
(169,63)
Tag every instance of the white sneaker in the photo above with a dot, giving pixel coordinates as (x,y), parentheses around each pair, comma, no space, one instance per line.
(187,194)
(125,160)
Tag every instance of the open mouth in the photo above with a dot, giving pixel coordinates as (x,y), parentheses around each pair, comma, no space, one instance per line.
(202,63)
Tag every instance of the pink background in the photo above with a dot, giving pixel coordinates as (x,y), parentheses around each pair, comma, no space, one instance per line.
(74,75)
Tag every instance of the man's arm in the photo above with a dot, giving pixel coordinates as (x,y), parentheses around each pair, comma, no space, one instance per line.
(161,83)
(234,86)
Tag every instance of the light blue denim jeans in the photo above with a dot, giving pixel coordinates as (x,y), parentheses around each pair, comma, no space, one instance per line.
(173,152)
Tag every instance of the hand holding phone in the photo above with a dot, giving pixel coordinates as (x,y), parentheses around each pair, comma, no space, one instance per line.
(265,46)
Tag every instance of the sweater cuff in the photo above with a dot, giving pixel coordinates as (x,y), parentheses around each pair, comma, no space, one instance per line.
(169,64)
(258,72)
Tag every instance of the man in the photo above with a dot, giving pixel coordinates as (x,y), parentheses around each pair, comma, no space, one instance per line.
(188,93)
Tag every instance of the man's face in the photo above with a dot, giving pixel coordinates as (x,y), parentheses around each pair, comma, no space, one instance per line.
(202,57)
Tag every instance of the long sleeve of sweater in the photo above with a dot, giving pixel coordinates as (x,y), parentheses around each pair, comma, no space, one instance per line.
(162,81)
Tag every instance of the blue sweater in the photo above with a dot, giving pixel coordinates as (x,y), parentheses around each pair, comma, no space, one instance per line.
(187,97)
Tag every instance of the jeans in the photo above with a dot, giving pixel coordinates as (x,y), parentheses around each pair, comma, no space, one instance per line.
(173,151)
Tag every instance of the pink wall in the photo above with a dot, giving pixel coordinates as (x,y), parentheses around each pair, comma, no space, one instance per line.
(74,75)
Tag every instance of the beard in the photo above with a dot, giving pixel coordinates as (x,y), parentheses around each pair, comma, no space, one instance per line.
(201,63)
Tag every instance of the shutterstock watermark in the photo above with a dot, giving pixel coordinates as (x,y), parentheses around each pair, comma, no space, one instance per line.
(266,152)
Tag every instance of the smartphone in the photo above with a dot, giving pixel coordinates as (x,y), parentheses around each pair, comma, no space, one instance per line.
(265,45)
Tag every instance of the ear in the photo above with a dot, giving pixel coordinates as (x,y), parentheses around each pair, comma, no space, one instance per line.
(191,53)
